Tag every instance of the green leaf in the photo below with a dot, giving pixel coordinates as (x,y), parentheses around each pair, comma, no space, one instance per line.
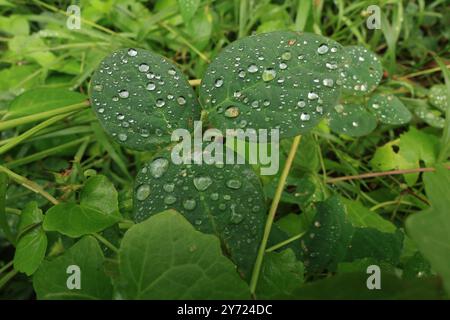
(188,8)
(362,72)
(352,286)
(4,226)
(283,79)
(164,257)
(141,97)
(42,99)
(51,279)
(438,96)
(325,243)
(98,209)
(430,229)
(281,273)
(352,119)
(389,109)
(32,244)
(225,200)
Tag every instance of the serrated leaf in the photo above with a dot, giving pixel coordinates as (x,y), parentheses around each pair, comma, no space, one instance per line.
(281,273)
(164,257)
(362,72)
(282,79)
(389,109)
(430,229)
(98,209)
(42,99)
(32,244)
(141,97)
(50,281)
(225,200)
(352,119)
(188,8)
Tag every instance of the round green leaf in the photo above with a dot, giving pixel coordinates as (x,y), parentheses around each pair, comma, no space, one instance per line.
(225,200)
(431,117)
(283,79)
(164,257)
(141,97)
(389,109)
(362,72)
(352,119)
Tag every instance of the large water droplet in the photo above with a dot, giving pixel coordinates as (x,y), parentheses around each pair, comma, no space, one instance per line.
(189,204)
(252,68)
(328,82)
(158,167)
(232,112)
(143,67)
(132,52)
(181,100)
(124,94)
(218,83)
(169,187)
(142,192)
(269,74)
(122,137)
(235,217)
(202,183)
(170,199)
(160,103)
(286,56)
(305,116)
(151,86)
(312,95)
(322,49)
(234,184)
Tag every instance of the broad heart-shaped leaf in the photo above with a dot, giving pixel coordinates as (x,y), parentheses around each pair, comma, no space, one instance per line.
(353,286)
(188,8)
(362,72)
(52,278)
(430,229)
(32,244)
(98,209)
(141,97)
(42,99)
(389,109)
(225,200)
(164,257)
(351,119)
(283,79)
(281,273)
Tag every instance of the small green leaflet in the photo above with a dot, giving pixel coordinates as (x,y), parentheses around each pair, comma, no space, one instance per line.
(51,280)
(389,109)
(362,72)
(141,97)
(32,244)
(225,200)
(352,119)
(283,79)
(98,209)
(430,229)
(188,8)
(164,257)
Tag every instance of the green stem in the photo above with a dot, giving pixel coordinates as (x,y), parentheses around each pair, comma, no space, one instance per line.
(29,184)
(7,277)
(106,242)
(271,216)
(3,220)
(285,242)
(6,266)
(42,115)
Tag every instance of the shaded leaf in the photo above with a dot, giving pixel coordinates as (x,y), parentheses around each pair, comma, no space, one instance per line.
(389,109)
(352,119)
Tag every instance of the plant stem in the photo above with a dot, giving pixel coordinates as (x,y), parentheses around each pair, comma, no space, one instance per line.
(285,242)
(42,115)
(106,242)
(6,266)
(271,216)
(7,277)
(380,174)
(29,184)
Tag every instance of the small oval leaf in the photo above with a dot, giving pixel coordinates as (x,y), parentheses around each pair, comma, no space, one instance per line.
(141,97)
(362,72)
(280,79)
(389,109)
(352,119)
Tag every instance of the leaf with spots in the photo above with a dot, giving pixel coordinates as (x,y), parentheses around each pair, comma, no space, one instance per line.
(164,257)
(225,200)
(141,97)
(282,79)
(437,96)
(389,109)
(352,119)
(188,8)
(362,72)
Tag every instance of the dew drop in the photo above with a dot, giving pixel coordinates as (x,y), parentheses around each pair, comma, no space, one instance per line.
(132,52)
(269,74)
(322,49)
(142,192)
(232,112)
(189,204)
(202,183)
(305,116)
(252,68)
(286,56)
(151,86)
(122,137)
(160,103)
(170,199)
(158,167)
(312,95)
(328,82)
(124,94)
(218,83)
(143,67)
(234,184)
(181,100)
